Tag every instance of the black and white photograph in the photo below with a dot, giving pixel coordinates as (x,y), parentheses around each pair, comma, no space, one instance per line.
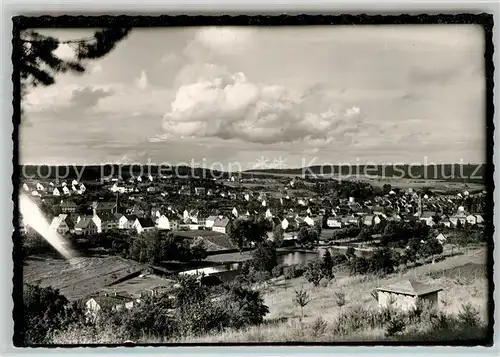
(253,181)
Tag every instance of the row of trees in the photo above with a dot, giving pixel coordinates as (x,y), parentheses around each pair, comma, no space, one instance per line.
(151,247)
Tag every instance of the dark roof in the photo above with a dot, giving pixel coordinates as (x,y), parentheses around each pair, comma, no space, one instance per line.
(111,300)
(68,203)
(104,205)
(146,222)
(84,223)
(410,287)
(106,217)
(221,222)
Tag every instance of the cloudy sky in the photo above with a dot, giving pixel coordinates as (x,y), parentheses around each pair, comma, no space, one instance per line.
(300,95)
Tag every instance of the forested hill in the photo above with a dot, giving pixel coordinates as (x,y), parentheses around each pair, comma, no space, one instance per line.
(452,172)
(448,172)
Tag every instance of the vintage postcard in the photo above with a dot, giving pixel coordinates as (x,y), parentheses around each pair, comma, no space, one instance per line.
(247,180)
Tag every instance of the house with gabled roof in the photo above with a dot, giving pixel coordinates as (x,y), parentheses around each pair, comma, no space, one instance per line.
(167,221)
(143,224)
(405,294)
(221,225)
(62,224)
(85,226)
(126,221)
(68,206)
(105,221)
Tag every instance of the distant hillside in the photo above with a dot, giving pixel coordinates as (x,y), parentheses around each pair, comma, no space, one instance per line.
(447,172)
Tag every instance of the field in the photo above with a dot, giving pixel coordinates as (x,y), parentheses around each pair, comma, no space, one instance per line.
(402,183)
(80,277)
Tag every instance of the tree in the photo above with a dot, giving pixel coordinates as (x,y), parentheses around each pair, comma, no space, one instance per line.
(264,257)
(45,310)
(350,253)
(365,235)
(278,235)
(382,261)
(327,265)
(34,53)
(314,272)
(386,188)
(301,299)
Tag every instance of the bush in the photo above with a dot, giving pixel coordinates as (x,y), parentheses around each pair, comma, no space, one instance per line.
(469,316)
(340,299)
(278,271)
(395,326)
(319,327)
(294,271)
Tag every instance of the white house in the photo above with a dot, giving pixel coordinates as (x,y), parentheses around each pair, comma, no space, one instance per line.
(56,192)
(36,193)
(471,219)
(234,212)
(285,223)
(25,187)
(309,221)
(404,295)
(40,187)
(209,223)
(126,222)
(105,221)
(264,203)
(164,222)
(247,197)
(66,190)
(62,224)
(479,219)
(334,222)
(268,214)
(143,224)
(441,238)
(74,183)
(221,225)
(85,226)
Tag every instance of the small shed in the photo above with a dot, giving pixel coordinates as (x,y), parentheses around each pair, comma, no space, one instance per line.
(404,295)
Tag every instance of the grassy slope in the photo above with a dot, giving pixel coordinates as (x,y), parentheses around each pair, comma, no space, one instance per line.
(462,278)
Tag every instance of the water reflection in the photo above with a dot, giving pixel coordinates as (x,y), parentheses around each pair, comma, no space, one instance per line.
(284,258)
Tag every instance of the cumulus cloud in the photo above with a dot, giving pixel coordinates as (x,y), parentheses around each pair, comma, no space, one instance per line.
(232,107)
(88,97)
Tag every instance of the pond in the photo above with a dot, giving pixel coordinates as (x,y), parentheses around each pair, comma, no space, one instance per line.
(285,257)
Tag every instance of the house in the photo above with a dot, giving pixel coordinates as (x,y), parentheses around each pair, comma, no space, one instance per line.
(334,222)
(441,238)
(56,192)
(110,207)
(143,224)
(405,294)
(309,221)
(471,219)
(221,225)
(209,223)
(85,226)
(268,214)
(62,224)
(126,221)
(234,212)
(199,191)
(170,222)
(446,222)
(459,217)
(479,219)
(25,187)
(66,190)
(105,221)
(68,206)
(108,301)
(369,220)
(40,187)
